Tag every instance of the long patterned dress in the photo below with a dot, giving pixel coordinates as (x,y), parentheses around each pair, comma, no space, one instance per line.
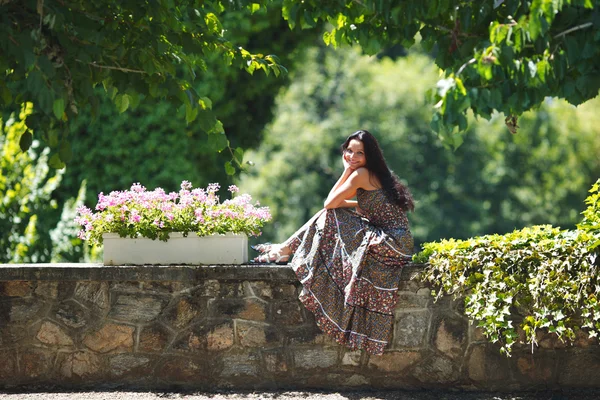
(349,266)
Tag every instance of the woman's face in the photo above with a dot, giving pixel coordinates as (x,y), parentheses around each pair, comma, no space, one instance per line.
(355,154)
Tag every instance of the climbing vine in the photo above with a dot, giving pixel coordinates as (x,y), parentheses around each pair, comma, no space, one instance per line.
(518,284)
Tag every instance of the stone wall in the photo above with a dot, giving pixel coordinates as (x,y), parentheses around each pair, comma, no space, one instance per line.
(84,325)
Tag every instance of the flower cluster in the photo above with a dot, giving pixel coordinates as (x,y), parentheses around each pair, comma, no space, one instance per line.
(153,214)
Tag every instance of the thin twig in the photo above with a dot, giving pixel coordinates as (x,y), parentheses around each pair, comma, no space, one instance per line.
(471,61)
(576,28)
(115,68)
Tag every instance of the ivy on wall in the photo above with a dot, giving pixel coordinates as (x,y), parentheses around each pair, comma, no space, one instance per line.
(514,285)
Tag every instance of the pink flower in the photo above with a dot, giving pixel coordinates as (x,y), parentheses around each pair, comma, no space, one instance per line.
(233,189)
(185,185)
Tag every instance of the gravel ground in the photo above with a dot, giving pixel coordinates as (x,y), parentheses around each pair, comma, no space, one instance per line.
(388,395)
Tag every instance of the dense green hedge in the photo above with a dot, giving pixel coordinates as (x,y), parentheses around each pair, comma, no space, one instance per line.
(536,278)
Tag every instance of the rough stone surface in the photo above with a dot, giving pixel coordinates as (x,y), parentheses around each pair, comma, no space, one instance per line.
(16,288)
(315,358)
(80,364)
(220,337)
(487,364)
(411,329)
(52,334)
(72,314)
(136,308)
(36,363)
(396,361)
(450,336)
(154,338)
(126,363)
(93,293)
(251,335)
(243,327)
(110,338)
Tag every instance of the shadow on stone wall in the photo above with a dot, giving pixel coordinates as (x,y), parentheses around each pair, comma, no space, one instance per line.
(242,327)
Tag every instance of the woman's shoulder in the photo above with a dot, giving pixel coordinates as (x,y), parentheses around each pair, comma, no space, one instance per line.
(366,180)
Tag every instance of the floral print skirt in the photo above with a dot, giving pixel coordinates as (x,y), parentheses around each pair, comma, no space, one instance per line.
(350,270)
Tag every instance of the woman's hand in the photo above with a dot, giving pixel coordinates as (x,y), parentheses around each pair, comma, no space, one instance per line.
(347,168)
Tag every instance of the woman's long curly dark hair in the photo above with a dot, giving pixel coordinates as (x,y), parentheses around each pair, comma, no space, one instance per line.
(395,191)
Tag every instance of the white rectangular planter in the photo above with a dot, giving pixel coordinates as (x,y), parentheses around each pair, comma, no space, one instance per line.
(215,249)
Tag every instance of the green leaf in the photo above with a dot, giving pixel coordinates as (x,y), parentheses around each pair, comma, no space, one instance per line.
(239,155)
(190,113)
(218,141)
(229,169)
(59,108)
(25,141)
(205,103)
(65,153)
(122,102)
(55,162)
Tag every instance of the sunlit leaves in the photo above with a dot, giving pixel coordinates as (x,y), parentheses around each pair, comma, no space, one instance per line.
(136,50)
(537,278)
(523,65)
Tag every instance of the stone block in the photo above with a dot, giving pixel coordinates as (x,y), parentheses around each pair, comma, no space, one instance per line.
(129,364)
(394,361)
(8,366)
(534,369)
(450,337)
(93,293)
(209,288)
(12,333)
(240,364)
(288,313)
(485,364)
(411,300)
(251,334)
(110,338)
(16,288)
(36,363)
(253,310)
(47,290)
(136,308)
(304,334)
(20,311)
(226,307)
(315,358)
(275,360)
(352,358)
(411,329)
(579,368)
(163,287)
(81,364)
(154,338)
(72,314)
(53,335)
(184,310)
(258,289)
(230,290)
(220,337)
(437,370)
(356,381)
(186,370)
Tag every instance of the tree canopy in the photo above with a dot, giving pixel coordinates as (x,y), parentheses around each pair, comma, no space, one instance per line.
(495,55)
(503,55)
(54,53)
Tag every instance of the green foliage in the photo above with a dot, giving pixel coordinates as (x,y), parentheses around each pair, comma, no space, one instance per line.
(495,182)
(66,245)
(26,186)
(54,54)
(514,285)
(506,56)
(591,216)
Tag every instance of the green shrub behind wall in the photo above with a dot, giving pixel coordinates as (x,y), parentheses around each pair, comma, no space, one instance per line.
(514,285)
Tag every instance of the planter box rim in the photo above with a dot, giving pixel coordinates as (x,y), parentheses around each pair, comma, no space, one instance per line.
(174,235)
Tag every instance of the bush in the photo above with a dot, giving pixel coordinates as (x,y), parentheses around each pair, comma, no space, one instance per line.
(535,278)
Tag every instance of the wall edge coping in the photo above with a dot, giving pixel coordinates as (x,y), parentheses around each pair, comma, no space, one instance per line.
(99,272)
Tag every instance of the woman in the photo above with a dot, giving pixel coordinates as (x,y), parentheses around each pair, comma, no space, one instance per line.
(349,262)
